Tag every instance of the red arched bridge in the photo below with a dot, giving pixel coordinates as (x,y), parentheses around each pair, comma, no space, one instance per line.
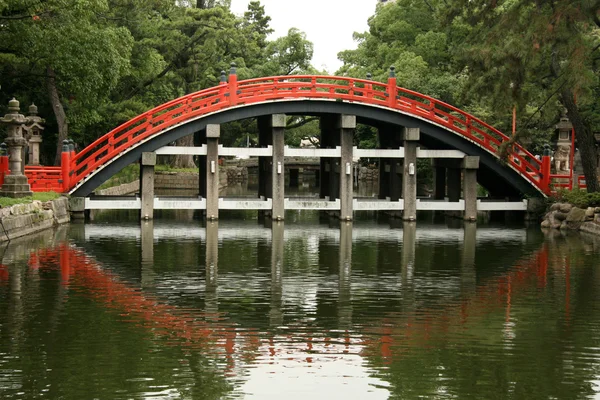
(442,126)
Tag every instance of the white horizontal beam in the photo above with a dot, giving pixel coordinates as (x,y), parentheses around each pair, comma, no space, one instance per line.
(501,205)
(432,205)
(245,152)
(182,150)
(310,204)
(381,205)
(440,154)
(311,153)
(114,204)
(225,204)
(179,204)
(378,153)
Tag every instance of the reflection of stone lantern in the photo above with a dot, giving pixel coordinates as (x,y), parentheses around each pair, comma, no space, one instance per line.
(15,184)
(562,156)
(34,129)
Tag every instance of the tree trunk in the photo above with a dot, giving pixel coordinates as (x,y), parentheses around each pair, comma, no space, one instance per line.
(585,140)
(59,112)
(183,161)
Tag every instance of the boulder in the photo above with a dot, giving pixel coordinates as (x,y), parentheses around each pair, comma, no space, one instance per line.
(575,218)
(566,207)
(589,214)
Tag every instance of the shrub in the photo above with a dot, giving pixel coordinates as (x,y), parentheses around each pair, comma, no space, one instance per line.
(579,198)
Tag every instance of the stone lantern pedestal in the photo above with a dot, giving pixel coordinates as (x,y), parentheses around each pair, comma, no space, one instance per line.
(15,184)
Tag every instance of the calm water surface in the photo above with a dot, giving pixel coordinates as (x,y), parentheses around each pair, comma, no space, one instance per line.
(180,309)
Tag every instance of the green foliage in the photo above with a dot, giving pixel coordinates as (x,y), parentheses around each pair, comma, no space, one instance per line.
(578,198)
(128,174)
(39,196)
(115,59)
(538,57)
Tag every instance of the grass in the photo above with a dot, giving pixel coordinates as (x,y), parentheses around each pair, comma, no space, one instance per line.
(41,196)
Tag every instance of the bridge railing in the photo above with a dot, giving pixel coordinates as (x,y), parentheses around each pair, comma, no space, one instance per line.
(44,179)
(335,88)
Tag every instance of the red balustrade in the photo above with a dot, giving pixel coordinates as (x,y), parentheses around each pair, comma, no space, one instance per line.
(334,88)
(44,179)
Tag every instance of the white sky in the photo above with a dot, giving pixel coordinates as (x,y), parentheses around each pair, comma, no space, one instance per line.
(329,24)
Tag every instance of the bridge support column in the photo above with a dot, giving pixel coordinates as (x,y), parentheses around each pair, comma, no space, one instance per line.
(411,138)
(278,169)
(439,181)
(454,183)
(77,208)
(470,166)
(327,170)
(265,164)
(147,163)
(213,132)
(347,125)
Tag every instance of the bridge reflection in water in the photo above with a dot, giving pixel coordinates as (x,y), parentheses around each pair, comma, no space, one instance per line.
(360,348)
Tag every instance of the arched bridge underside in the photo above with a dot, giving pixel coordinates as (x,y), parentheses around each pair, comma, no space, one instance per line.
(441,126)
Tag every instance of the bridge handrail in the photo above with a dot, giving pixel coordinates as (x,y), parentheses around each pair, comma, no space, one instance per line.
(257,90)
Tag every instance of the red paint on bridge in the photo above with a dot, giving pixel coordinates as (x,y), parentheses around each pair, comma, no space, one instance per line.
(76,168)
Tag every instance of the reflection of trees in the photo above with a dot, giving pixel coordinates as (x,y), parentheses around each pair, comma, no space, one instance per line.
(526,334)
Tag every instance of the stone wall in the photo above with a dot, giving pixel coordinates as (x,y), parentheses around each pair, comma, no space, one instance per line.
(176,180)
(164,182)
(366,174)
(121,190)
(566,216)
(24,219)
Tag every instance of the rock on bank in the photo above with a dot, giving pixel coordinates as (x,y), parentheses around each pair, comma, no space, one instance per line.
(24,219)
(566,216)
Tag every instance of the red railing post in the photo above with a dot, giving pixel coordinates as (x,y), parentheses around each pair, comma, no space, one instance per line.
(545,170)
(65,166)
(3,163)
(392,87)
(233,86)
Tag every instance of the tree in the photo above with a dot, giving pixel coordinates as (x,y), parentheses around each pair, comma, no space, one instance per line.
(288,54)
(534,54)
(62,43)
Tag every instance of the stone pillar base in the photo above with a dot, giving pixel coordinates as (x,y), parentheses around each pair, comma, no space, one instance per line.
(16,186)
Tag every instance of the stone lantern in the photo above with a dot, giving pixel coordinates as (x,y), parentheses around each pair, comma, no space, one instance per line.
(562,155)
(34,136)
(15,184)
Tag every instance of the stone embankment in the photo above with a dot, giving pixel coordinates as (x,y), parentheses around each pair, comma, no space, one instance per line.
(566,216)
(24,219)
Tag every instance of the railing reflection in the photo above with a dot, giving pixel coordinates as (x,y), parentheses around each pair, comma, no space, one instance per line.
(208,328)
